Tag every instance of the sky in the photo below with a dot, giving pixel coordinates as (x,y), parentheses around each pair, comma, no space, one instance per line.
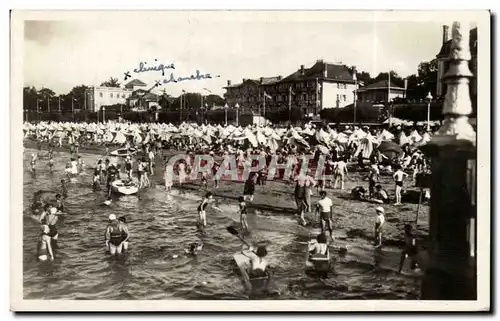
(60,54)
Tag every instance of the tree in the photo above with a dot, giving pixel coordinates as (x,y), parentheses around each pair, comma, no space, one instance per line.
(45,95)
(165,101)
(212,100)
(111,82)
(30,95)
(424,81)
(193,101)
(396,80)
(364,77)
(78,93)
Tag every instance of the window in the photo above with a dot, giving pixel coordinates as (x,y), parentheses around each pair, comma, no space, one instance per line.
(100,95)
(111,95)
(123,96)
(345,98)
(338,97)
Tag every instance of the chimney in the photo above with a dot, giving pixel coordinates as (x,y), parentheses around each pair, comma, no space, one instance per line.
(325,71)
(244,79)
(446,33)
(229,82)
(261,80)
(302,70)
(279,77)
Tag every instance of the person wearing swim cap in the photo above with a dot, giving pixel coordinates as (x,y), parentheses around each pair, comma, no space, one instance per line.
(116,233)
(50,219)
(44,246)
(108,201)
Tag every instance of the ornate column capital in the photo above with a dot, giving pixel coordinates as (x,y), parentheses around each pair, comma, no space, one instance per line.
(457,104)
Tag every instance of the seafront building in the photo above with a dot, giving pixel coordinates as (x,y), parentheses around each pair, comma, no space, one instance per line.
(323,85)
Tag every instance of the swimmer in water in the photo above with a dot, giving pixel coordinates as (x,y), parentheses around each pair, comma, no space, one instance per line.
(50,219)
(107,202)
(126,237)
(116,233)
(44,245)
(194,248)
(202,216)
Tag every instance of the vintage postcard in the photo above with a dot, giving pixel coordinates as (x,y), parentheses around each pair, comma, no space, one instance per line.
(250,161)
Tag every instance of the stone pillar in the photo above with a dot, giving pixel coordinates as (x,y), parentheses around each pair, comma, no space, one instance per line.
(451,272)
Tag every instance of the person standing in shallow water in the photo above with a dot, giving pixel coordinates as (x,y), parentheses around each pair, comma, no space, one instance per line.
(116,233)
(45,251)
(64,189)
(379,224)
(202,215)
(168,177)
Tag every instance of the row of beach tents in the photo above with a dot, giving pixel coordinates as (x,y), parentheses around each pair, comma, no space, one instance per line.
(308,135)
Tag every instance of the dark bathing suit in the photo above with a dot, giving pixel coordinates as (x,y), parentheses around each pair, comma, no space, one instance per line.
(202,206)
(399,183)
(116,236)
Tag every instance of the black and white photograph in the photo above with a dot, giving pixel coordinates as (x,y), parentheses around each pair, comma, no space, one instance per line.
(250,160)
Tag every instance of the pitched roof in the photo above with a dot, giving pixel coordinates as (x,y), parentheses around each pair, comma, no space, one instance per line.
(265,81)
(382,84)
(135,82)
(140,93)
(334,72)
(270,80)
(446,47)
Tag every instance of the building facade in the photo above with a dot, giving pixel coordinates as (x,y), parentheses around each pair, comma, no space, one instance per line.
(143,100)
(323,85)
(98,96)
(380,92)
(443,61)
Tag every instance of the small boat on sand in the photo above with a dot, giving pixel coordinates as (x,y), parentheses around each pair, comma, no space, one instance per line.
(124,152)
(124,188)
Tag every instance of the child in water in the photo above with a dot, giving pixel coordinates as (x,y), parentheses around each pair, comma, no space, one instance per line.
(410,249)
(243,213)
(64,189)
(51,163)
(379,223)
(202,216)
(96,181)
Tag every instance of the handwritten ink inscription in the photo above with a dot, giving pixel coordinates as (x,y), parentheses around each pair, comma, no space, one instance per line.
(160,67)
(170,78)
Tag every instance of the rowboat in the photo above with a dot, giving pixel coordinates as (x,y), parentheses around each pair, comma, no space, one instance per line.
(253,284)
(123,188)
(124,152)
